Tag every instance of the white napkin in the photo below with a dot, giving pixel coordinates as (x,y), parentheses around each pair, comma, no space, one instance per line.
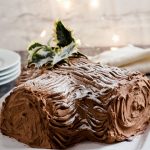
(130,57)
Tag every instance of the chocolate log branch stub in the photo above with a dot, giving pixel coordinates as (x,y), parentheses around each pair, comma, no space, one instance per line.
(77,102)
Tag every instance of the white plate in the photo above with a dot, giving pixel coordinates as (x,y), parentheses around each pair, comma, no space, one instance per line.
(10,79)
(10,70)
(8,59)
(141,142)
(5,77)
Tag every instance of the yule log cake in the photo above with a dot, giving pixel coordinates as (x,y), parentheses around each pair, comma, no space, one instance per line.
(62,98)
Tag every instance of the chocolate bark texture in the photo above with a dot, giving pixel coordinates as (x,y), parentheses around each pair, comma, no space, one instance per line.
(75,102)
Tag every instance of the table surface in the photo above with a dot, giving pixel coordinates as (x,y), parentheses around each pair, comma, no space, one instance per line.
(7,87)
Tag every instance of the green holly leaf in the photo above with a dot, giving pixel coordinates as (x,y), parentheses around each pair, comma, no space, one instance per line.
(62,35)
(44,55)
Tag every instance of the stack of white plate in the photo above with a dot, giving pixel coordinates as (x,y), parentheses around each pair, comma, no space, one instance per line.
(10,66)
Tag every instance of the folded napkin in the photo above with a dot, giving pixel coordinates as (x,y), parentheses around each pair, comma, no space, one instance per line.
(130,57)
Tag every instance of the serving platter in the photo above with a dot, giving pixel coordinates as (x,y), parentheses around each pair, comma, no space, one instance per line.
(140,142)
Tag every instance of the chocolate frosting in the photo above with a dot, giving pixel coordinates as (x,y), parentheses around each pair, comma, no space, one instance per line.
(76,102)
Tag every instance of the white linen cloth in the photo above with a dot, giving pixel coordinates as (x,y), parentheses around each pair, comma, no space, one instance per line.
(130,57)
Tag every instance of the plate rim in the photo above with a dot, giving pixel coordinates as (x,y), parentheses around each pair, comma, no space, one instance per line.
(5,77)
(10,79)
(12,69)
(2,68)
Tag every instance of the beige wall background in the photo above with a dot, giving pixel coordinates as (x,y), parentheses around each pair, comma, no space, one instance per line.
(97,23)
